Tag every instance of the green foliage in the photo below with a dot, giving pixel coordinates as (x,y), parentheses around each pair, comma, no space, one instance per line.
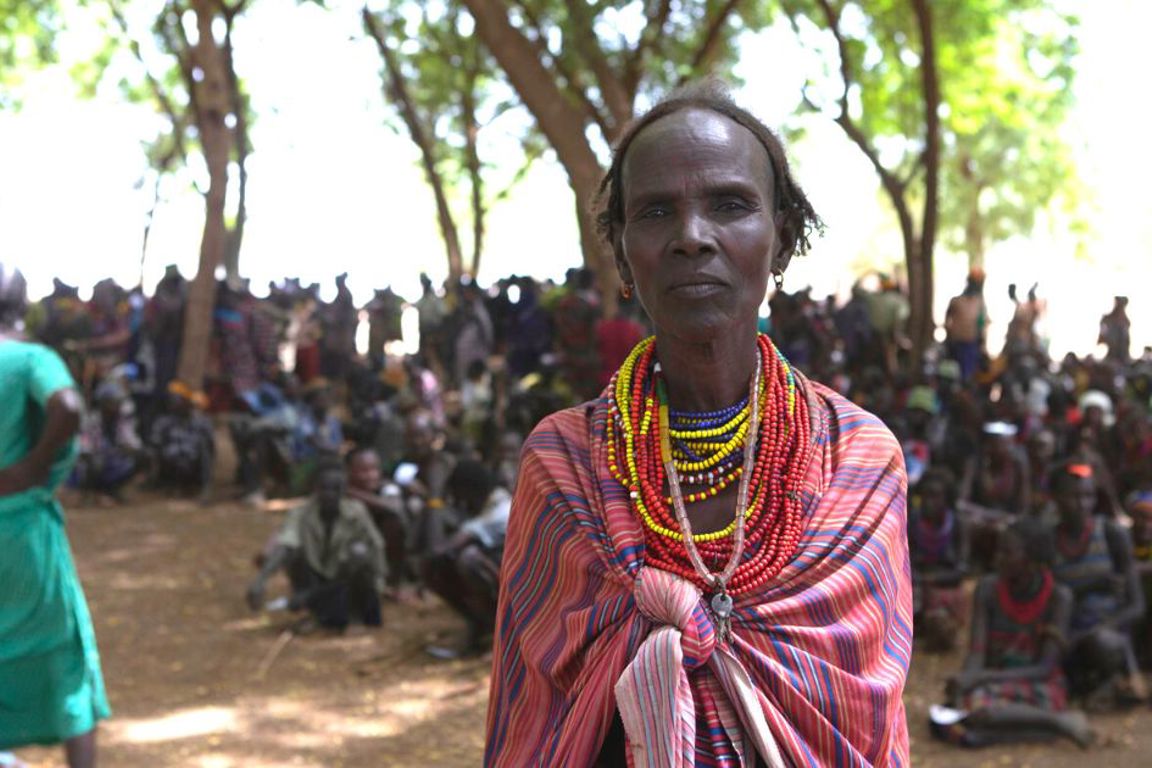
(150,58)
(607,59)
(27,31)
(1005,71)
(442,86)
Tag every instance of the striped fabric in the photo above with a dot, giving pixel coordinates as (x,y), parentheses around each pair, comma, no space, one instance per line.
(816,669)
(1090,577)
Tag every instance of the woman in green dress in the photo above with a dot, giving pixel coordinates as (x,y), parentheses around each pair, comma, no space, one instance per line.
(51,688)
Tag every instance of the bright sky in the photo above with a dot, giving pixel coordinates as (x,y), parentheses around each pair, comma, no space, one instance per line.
(332,189)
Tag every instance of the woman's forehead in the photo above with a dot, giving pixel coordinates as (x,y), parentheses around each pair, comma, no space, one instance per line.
(691,140)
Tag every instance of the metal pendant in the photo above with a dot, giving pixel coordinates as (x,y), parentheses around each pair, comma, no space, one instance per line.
(722,611)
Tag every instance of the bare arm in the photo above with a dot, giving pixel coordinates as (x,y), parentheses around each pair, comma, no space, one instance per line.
(978,637)
(375,501)
(1120,547)
(274,562)
(1024,488)
(62,419)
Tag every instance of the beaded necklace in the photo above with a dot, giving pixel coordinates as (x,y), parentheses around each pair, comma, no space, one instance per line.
(721,601)
(770,458)
(1028,610)
(1074,547)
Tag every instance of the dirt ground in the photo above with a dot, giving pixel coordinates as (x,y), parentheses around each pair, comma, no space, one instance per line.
(197,681)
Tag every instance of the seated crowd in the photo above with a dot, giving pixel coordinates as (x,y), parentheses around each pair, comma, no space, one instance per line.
(1030,480)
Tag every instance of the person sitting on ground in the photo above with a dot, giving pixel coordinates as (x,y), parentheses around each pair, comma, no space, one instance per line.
(332,554)
(463,568)
(921,433)
(262,436)
(1094,558)
(996,488)
(110,448)
(1139,508)
(183,444)
(385,505)
(317,432)
(1040,448)
(424,473)
(505,458)
(477,395)
(1012,687)
(938,544)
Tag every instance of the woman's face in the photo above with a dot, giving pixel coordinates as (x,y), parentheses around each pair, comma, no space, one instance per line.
(1011,559)
(364,472)
(699,232)
(935,500)
(1076,499)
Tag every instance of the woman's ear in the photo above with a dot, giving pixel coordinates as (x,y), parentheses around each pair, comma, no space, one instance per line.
(622,267)
(787,236)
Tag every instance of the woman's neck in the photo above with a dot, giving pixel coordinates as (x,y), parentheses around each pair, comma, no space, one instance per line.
(1074,526)
(1023,585)
(708,376)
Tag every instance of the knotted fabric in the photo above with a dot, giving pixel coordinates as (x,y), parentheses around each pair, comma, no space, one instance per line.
(653,695)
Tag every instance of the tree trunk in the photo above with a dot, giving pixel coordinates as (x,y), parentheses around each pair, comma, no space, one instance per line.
(397,91)
(242,148)
(475,177)
(974,233)
(558,119)
(922,323)
(211,101)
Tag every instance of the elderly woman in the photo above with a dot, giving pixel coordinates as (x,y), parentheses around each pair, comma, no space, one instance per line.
(51,689)
(708,564)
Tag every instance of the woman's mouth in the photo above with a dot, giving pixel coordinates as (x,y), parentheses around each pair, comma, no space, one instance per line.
(696,289)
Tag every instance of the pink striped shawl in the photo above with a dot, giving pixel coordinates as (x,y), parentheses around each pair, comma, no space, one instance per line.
(816,670)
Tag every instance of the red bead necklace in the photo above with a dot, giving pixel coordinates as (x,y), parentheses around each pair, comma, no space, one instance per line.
(773,522)
(1074,548)
(1029,610)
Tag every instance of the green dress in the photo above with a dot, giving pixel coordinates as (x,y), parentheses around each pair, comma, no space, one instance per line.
(51,688)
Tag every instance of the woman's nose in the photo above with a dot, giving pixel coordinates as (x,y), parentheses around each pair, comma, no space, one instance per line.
(694,235)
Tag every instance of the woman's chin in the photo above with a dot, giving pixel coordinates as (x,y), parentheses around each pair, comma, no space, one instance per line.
(703,328)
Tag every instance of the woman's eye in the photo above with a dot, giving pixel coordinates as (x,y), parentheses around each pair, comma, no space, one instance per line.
(732,205)
(654,213)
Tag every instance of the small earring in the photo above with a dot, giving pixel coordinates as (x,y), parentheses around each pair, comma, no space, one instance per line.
(778,279)
(626,291)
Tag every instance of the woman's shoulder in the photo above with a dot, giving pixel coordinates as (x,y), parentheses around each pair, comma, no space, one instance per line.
(18,352)
(569,426)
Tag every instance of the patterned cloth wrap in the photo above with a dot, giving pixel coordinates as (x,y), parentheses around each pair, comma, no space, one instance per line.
(816,667)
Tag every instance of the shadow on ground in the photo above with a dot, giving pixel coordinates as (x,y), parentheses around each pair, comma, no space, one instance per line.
(196,681)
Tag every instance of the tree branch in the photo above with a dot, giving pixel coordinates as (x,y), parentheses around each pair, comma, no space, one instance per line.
(892,184)
(650,38)
(612,89)
(232,11)
(241,144)
(397,89)
(158,93)
(709,47)
(572,83)
(471,134)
